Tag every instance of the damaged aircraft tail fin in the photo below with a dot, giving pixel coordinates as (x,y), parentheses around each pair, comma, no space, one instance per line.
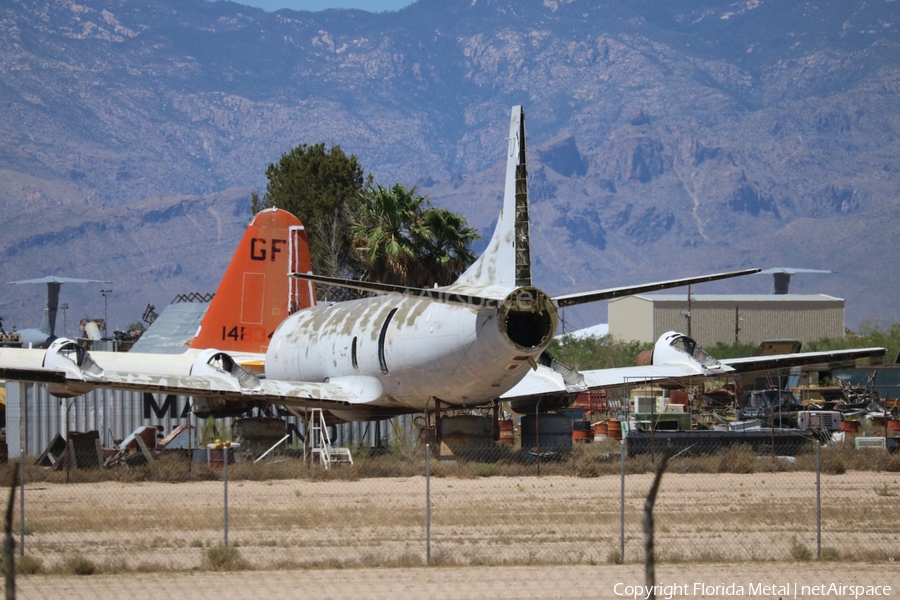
(255,293)
(506,261)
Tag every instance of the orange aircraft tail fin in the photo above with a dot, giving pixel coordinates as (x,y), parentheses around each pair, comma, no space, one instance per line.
(256,294)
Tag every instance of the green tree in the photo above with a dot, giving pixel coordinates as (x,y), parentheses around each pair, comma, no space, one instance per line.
(401,239)
(596,352)
(869,335)
(323,189)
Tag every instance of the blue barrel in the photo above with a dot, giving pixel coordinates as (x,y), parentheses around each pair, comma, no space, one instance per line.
(555,432)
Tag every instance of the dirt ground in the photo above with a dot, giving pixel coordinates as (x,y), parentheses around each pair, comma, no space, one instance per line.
(477,583)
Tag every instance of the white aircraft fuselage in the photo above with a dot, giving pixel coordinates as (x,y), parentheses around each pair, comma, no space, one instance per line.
(406,351)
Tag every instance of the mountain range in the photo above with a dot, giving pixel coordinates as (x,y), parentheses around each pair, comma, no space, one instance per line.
(666,138)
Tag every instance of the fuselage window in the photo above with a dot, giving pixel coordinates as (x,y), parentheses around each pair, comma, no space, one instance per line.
(353,354)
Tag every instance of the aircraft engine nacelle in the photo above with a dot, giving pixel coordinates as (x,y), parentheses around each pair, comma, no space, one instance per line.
(222,366)
(80,369)
(528,318)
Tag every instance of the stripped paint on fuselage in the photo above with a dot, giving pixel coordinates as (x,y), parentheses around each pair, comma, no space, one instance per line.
(415,349)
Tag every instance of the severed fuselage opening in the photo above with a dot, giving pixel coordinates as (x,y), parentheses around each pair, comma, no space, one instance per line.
(528,318)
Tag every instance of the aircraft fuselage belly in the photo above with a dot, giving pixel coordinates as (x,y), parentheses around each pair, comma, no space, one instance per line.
(417,349)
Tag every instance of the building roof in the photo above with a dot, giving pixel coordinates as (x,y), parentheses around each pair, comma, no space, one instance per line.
(737,298)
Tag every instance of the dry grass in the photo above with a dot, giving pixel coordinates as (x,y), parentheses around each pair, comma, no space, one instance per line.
(584,460)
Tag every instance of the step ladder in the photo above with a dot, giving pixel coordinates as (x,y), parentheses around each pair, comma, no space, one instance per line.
(320,446)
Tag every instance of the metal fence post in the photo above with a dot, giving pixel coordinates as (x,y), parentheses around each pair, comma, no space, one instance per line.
(225,478)
(23,453)
(818,498)
(427,504)
(624,451)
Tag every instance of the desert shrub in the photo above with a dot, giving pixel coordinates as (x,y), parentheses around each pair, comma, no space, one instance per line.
(737,459)
(587,468)
(768,463)
(484,469)
(28,530)
(403,561)
(800,551)
(80,565)
(169,468)
(830,554)
(224,558)
(832,463)
(892,463)
(29,565)
(125,474)
(639,464)
(693,464)
(25,565)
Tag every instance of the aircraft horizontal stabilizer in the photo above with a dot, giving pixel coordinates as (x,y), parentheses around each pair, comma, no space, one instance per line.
(609,294)
(442,295)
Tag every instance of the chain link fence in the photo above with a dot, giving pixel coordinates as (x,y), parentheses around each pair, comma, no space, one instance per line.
(551,497)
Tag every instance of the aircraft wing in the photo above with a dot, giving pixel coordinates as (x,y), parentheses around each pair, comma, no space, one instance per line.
(544,382)
(70,371)
(751,364)
(604,378)
(288,393)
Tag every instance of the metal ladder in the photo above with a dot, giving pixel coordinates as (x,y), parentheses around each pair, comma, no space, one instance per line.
(320,442)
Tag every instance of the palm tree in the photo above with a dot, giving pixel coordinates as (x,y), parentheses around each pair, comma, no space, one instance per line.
(385,231)
(447,252)
(402,240)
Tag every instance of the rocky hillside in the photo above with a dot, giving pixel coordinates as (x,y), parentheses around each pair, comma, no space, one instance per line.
(666,138)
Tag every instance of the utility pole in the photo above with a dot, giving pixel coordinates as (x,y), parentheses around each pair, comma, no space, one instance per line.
(64,307)
(687,313)
(105,293)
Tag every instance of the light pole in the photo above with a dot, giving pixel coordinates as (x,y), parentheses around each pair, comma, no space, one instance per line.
(64,307)
(105,293)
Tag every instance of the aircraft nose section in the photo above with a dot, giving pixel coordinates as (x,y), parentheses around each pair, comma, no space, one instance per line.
(528,318)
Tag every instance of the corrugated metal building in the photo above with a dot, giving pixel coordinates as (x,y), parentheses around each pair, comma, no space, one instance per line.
(727,318)
(33,423)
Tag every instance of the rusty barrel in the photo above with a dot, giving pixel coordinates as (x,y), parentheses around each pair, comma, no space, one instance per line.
(506,431)
(615,429)
(850,426)
(581,431)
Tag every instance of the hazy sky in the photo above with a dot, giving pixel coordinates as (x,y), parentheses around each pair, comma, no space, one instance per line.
(369,5)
